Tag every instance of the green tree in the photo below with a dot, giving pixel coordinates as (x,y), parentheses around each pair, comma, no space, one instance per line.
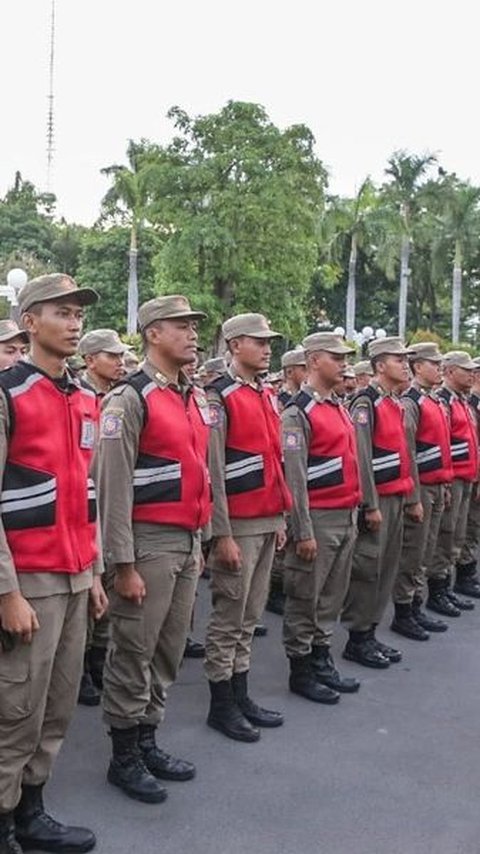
(238,201)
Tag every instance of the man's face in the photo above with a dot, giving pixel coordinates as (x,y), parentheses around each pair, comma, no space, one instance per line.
(296,374)
(462,379)
(57,327)
(428,373)
(395,369)
(476,381)
(363,380)
(253,353)
(330,368)
(12,351)
(350,384)
(107,366)
(176,340)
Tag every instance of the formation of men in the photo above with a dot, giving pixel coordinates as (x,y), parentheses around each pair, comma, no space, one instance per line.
(358,484)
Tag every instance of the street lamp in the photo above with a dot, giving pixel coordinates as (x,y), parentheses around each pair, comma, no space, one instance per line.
(16,279)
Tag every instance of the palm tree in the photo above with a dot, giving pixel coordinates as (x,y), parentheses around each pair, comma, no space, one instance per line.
(406,172)
(461,227)
(126,198)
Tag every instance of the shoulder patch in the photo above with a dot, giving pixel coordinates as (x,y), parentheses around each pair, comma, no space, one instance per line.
(216,415)
(111,424)
(292,439)
(360,415)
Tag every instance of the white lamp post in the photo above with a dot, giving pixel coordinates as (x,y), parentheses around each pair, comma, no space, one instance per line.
(16,279)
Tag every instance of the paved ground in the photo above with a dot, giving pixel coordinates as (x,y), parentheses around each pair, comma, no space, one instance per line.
(392,770)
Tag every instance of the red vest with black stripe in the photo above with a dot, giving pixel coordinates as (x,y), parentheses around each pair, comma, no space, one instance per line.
(48,501)
(463,436)
(332,473)
(390,457)
(254,479)
(171,484)
(432,440)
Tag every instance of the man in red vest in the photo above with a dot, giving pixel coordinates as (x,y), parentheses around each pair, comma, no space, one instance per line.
(13,344)
(49,559)
(428,436)
(467,581)
(458,370)
(155,499)
(321,469)
(250,498)
(386,481)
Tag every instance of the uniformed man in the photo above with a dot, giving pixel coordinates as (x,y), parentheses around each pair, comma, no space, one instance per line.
(103,352)
(294,371)
(130,361)
(363,373)
(250,497)
(428,438)
(213,369)
(467,581)
(458,369)
(321,469)
(13,344)
(48,559)
(346,386)
(386,481)
(155,498)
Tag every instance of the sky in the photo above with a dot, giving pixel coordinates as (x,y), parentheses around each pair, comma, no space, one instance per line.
(367,77)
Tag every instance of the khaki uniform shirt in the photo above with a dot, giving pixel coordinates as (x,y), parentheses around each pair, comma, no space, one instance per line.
(126,541)
(222,524)
(36,585)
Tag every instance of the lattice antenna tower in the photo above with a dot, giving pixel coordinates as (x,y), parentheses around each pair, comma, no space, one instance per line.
(50,114)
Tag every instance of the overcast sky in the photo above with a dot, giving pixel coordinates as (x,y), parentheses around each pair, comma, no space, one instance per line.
(367,77)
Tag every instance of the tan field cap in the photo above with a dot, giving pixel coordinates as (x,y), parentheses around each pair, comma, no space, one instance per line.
(477,362)
(173,307)
(9,330)
(425,350)
(326,341)
(54,286)
(101,341)
(215,366)
(349,373)
(363,368)
(459,359)
(390,346)
(294,358)
(251,325)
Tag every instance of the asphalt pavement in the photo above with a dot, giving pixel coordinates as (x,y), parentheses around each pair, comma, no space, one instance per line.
(394,769)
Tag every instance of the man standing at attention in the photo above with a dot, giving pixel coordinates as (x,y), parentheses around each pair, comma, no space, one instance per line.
(155,499)
(250,497)
(48,548)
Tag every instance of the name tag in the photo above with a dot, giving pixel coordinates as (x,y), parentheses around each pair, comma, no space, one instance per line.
(87,439)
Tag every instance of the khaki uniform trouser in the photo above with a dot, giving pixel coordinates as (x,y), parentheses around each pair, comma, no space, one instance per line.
(419,544)
(147,641)
(469,553)
(238,600)
(374,568)
(451,535)
(38,693)
(315,591)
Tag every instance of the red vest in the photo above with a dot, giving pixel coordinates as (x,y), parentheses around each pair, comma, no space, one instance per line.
(463,436)
(254,479)
(332,476)
(432,440)
(48,501)
(390,457)
(171,484)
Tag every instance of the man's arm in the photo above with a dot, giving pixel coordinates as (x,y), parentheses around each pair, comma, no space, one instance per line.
(296,439)
(216,463)
(361,412)
(412,418)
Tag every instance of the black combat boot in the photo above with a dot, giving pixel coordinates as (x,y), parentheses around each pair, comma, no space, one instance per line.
(36,829)
(463,604)
(253,713)
(87,694)
(424,620)
(438,600)
(261,630)
(8,843)
(393,655)
(193,649)
(362,649)
(225,715)
(326,672)
(467,582)
(404,623)
(159,763)
(304,682)
(128,771)
(96,658)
